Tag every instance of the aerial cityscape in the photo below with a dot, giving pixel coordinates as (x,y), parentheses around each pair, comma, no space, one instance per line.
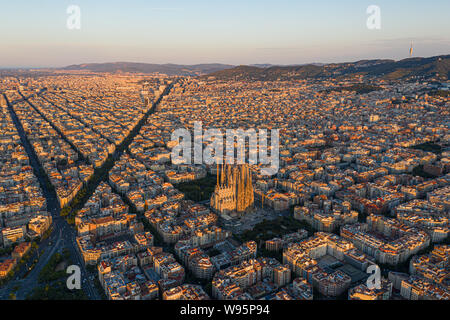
(96,205)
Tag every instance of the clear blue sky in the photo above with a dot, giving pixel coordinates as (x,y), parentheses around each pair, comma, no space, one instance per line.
(33,33)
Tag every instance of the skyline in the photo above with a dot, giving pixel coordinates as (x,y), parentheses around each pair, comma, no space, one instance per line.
(286,32)
(252,156)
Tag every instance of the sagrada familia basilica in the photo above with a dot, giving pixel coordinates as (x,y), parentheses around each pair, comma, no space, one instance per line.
(233,194)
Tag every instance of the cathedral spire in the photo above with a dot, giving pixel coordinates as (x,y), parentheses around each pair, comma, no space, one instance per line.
(217,172)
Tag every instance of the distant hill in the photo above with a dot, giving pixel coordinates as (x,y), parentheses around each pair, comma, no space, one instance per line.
(133,67)
(433,67)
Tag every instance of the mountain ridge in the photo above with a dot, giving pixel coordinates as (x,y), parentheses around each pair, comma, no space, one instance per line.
(417,67)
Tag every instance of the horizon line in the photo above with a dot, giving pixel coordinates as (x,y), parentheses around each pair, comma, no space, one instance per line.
(212,63)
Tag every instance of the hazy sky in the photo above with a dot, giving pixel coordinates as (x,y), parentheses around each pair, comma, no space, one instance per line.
(33,33)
